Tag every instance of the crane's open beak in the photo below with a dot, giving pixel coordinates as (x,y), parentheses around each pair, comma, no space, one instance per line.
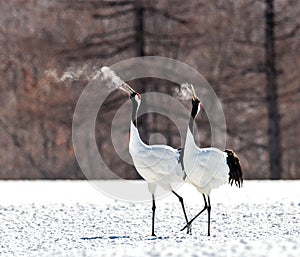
(191,91)
(193,94)
(126,89)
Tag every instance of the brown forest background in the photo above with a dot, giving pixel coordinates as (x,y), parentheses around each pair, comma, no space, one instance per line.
(248,50)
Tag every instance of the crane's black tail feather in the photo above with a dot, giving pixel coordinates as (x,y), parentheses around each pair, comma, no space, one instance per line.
(235,169)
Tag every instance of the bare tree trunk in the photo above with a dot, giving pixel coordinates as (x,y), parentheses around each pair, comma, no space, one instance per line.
(139,29)
(140,51)
(272,97)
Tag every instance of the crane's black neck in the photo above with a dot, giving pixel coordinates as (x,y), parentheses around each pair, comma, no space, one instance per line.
(135,107)
(191,125)
(194,113)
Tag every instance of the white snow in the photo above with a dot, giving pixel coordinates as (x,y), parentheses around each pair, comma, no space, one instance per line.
(71,218)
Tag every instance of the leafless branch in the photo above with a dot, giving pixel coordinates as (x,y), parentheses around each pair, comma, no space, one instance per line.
(113,15)
(166,14)
(289,34)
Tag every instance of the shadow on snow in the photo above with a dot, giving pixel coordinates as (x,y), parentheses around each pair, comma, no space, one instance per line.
(121,237)
(101,237)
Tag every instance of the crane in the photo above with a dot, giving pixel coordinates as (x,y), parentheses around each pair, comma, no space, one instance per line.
(159,165)
(207,168)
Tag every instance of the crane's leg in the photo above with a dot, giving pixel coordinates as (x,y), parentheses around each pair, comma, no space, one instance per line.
(205,207)
(208,210)
(189,229)
(153,214)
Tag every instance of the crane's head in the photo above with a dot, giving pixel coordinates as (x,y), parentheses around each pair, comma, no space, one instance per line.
(133,95)
(135,98)
(197,106)
(196,103)
(190,91)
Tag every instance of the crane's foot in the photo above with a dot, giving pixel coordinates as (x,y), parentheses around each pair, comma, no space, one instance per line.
(153,235)
(188,228)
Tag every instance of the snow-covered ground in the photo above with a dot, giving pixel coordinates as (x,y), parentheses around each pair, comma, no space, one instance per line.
(71,218)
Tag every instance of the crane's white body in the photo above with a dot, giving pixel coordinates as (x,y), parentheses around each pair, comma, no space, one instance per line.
(206,168)
(157,164)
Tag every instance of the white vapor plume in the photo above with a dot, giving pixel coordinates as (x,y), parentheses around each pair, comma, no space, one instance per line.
(71,74)
(85,73)
(113,81)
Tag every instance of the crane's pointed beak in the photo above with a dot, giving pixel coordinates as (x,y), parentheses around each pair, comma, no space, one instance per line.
(193,95)
(126,89)
(192,92)
(189,89)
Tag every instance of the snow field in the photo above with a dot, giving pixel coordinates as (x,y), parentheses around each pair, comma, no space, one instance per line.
(71,218)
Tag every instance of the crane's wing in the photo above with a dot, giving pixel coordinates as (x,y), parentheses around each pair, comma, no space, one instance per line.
(157,161)
(209,164)
(162,159)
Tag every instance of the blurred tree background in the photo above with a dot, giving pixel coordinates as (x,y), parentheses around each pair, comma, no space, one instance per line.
(249,51)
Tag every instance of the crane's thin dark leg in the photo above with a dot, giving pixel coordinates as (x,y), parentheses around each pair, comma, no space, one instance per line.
(208,210)
(153,214)
(189,230)
(205,207)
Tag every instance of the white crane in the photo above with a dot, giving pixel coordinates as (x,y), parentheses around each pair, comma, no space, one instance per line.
(158,164)
(207,168)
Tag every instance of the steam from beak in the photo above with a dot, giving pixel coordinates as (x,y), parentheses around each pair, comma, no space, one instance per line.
(114,81)
(187,91)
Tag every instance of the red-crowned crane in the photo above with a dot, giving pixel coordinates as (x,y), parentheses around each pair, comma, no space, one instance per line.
(159,165)
(207,168)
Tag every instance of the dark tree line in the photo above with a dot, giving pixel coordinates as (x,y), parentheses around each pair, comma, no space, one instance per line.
(247,50)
